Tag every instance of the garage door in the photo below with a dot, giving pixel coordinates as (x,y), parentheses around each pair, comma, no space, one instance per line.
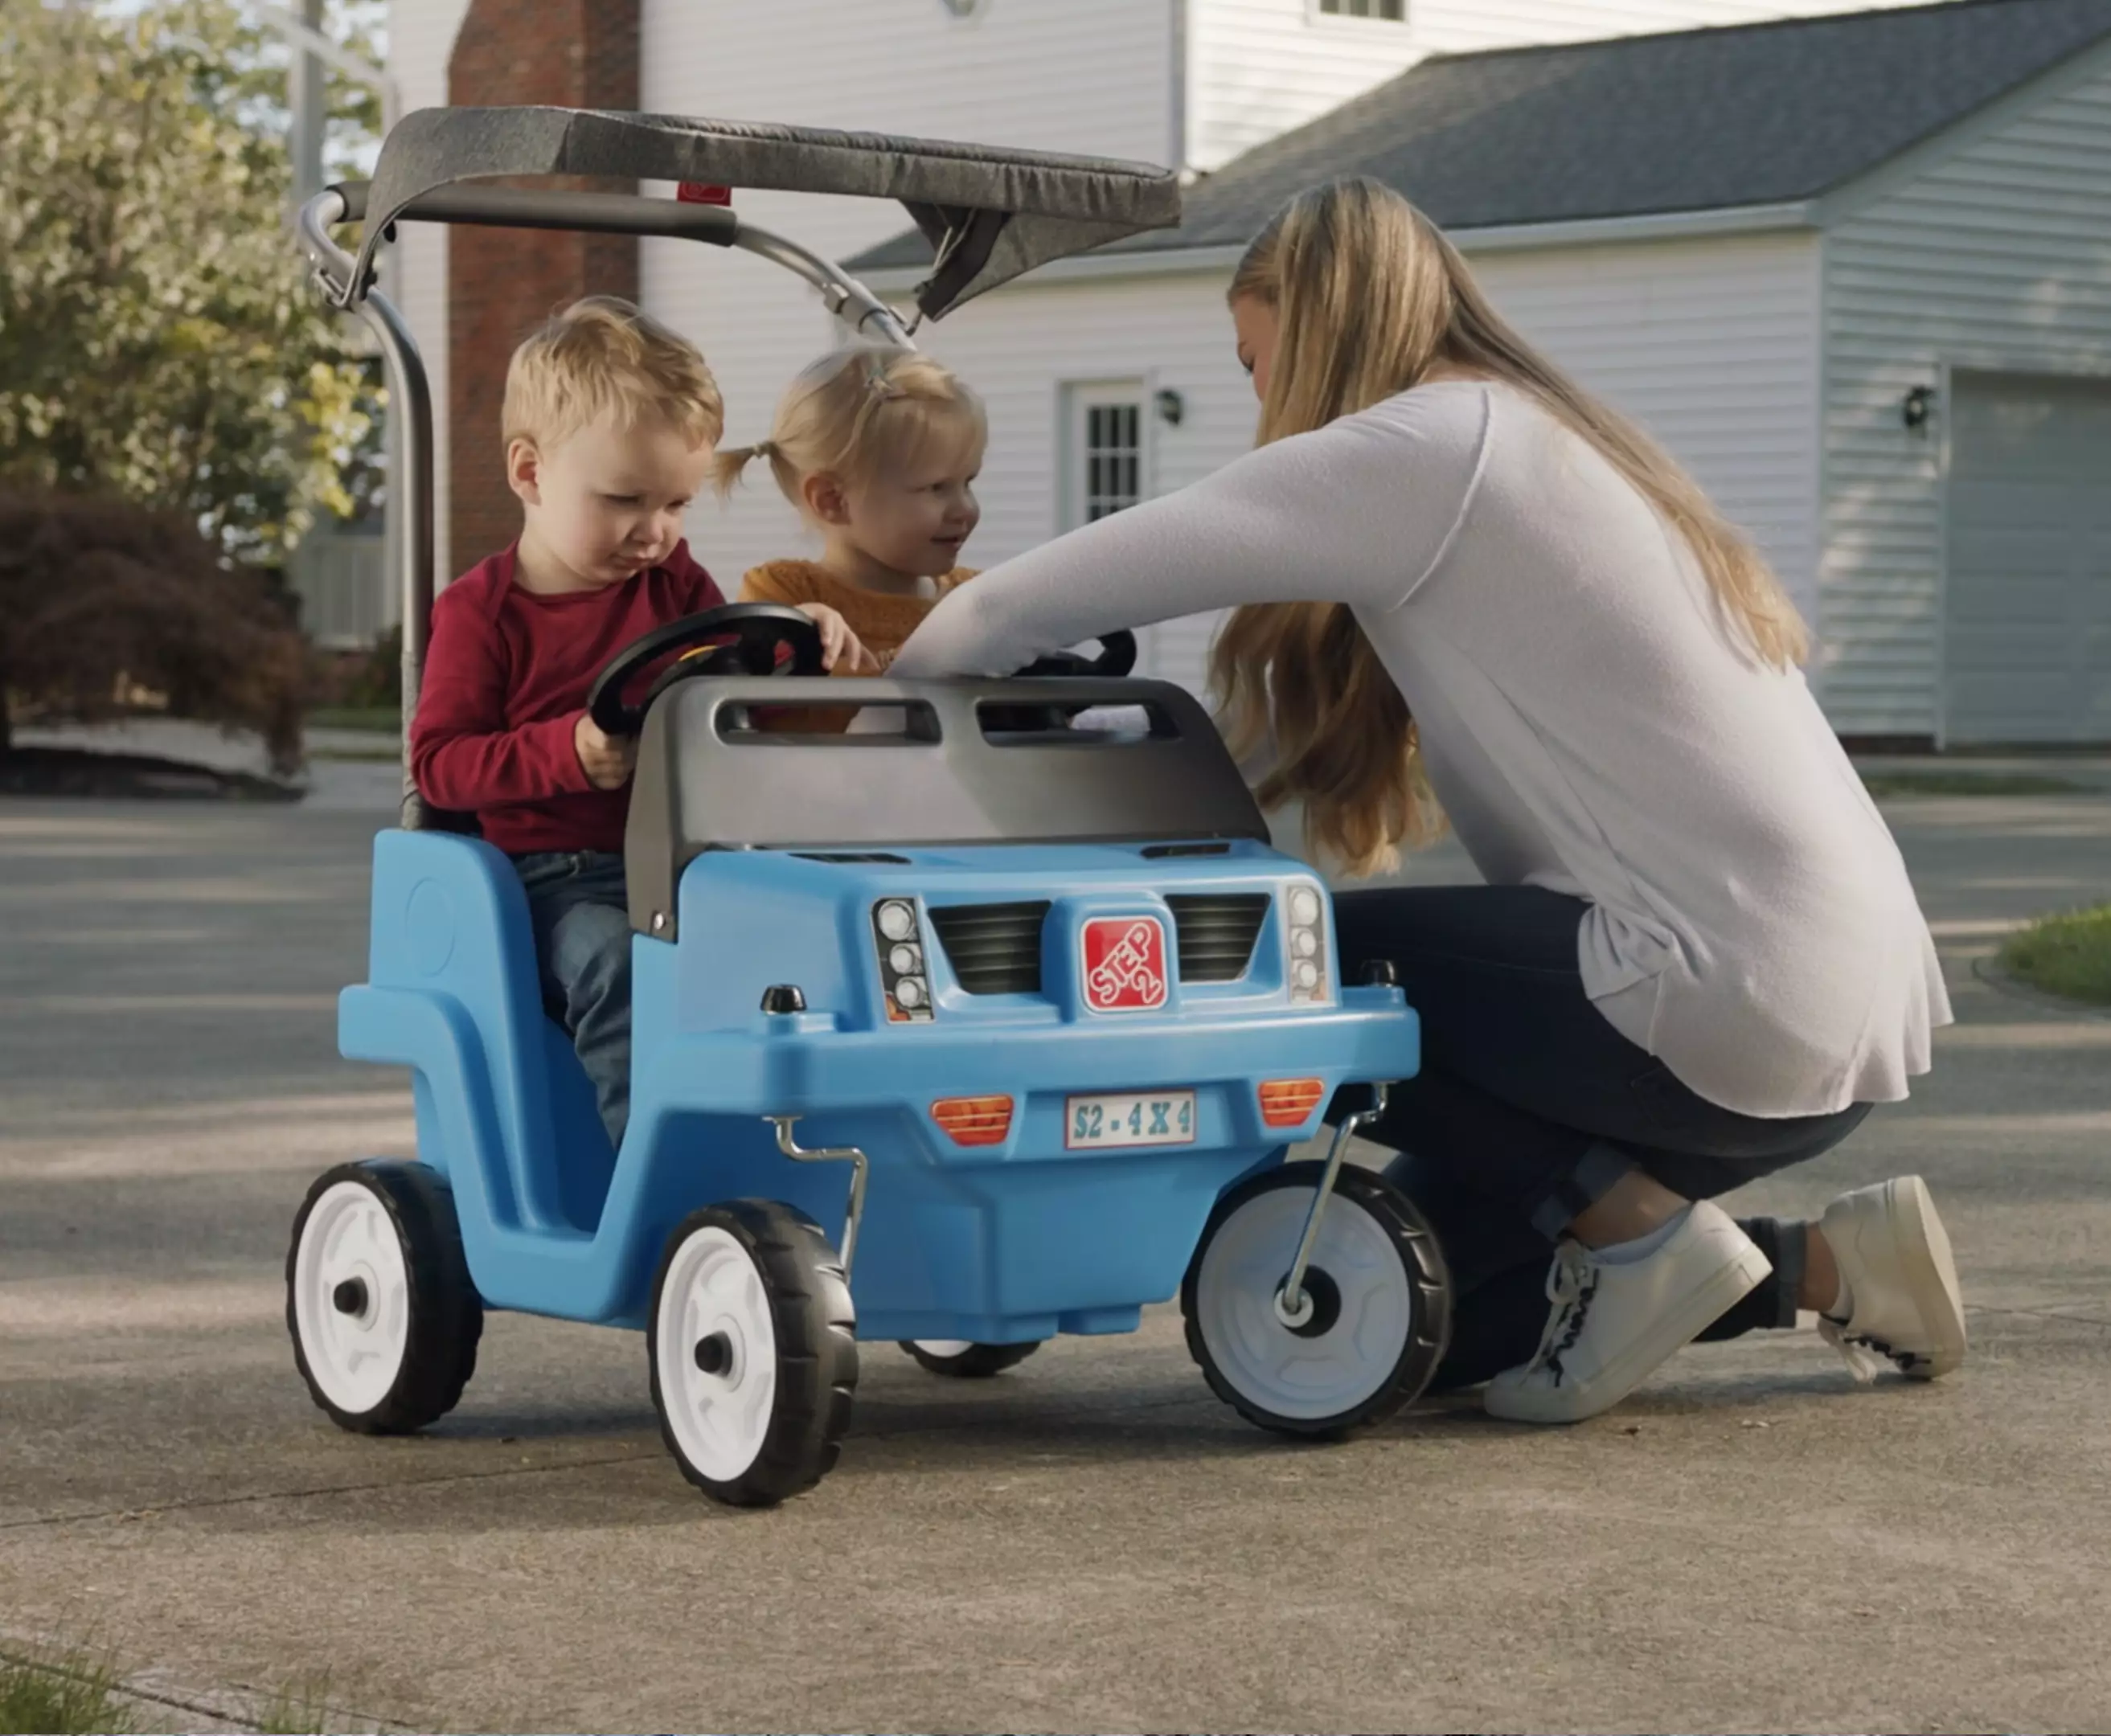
(2027,636)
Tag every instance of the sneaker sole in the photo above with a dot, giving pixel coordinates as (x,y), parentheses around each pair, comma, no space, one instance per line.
(1920,1262)
(1669,1333)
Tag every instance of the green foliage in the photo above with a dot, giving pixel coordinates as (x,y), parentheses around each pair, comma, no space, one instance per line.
(60,1695)
(159,341)
(2068,955)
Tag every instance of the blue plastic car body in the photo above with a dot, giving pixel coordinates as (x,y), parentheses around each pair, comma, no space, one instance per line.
(1056,1227)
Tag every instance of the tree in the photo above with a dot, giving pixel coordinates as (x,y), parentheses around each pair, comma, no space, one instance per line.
(159,340)
(103,601)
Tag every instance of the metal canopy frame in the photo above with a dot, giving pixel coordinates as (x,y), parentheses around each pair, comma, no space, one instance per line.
(992,215)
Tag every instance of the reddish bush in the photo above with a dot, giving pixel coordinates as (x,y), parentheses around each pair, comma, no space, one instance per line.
(103,605)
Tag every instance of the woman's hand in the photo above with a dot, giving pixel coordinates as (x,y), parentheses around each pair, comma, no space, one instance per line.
(842,652)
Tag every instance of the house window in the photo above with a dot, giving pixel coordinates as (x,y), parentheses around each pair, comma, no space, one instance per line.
(1393,11)
(1104,451)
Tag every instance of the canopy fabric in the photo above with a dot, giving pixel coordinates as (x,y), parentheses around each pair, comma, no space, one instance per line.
(1007,212)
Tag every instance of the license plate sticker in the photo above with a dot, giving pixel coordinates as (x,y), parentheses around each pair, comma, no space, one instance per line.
(1129,1118)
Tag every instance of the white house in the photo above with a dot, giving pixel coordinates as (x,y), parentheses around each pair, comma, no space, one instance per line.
(1855,270)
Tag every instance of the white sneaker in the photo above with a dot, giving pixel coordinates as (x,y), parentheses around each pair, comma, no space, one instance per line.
(1615,1321)
(1903,1307)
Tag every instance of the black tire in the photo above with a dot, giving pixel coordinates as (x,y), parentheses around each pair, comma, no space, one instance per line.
(813,1330)
(445,1314)
(1425,1289)
(977,1362)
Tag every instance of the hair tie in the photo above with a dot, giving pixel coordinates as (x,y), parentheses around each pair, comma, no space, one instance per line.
(881,386)
(763,449)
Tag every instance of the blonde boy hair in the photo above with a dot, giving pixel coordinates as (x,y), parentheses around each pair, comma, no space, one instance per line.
(854,412)
(601,357)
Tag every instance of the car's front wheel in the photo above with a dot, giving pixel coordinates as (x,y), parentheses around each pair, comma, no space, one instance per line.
(1379,1311)
(752,1342)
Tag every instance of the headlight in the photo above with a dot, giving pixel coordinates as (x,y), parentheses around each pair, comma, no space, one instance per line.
(1305,938)
(898,938)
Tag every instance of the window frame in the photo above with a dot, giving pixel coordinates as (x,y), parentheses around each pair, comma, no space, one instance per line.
(1078,398)
(1327,13)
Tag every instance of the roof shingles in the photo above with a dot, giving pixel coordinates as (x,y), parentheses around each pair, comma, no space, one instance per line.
(1696,120)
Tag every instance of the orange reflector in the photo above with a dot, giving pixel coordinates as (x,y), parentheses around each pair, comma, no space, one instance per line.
(1288,1103)
(973,1121)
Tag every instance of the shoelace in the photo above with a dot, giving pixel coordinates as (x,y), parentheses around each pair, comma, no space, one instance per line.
(1571,1280)
(1866,1356)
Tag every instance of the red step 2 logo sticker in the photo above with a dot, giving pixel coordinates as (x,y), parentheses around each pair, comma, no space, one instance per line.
(702,192)
(1124,963)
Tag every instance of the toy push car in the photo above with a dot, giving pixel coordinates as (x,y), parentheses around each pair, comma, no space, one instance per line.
(964,1031)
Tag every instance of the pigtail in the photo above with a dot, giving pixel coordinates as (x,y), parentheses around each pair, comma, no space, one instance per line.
(730,464)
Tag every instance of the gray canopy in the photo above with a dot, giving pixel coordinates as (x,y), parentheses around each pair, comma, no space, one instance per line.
(991,213)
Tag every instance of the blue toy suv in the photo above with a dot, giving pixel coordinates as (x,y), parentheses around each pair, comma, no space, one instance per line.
(971,1025)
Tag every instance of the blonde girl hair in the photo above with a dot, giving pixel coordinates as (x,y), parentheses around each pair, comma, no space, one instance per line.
(1371,298)
(855,412)
(603,356)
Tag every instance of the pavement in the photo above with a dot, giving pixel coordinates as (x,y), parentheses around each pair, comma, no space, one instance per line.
(1088,1543)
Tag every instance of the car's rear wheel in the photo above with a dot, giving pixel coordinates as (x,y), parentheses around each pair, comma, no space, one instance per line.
(384,1318)
(965,1360)
(752,1343)
(1380,1315)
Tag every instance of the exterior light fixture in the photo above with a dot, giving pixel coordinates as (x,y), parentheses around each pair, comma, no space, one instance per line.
(1171,407)
(1916,407)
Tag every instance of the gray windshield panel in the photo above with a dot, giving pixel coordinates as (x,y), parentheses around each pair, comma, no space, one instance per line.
(707,780)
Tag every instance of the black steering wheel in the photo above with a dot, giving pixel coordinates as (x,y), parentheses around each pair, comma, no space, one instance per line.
(745,639)
(1116,658)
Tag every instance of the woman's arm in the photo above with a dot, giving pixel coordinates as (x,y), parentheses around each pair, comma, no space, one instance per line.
(1358,513)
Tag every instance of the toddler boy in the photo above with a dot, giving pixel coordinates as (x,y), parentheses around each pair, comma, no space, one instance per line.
(610,422)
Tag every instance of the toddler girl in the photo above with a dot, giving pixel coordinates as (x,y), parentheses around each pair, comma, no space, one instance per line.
(878,448)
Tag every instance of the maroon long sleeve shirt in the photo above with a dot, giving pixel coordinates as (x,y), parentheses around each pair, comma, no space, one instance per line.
(506,676)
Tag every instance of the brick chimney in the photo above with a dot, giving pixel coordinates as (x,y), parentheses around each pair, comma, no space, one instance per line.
(502,283)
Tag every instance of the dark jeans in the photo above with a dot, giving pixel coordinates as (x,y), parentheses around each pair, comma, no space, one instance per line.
(1530,1107)
(582,916)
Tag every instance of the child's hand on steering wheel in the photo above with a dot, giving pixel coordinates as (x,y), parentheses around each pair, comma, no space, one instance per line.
(607,760)
(842,652)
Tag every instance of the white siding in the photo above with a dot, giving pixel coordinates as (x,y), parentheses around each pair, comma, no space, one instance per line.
(1998,257)
(1712,344)
(1259,67)
(1090,75)
(421,37)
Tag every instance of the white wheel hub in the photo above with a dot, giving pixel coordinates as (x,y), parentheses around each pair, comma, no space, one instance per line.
(1304,1377)
(351,1297)
(945,1347)
(716,1349)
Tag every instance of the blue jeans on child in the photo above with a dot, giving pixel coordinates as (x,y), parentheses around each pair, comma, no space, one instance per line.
(577,901)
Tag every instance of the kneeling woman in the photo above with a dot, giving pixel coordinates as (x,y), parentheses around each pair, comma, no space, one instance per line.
(1465,586)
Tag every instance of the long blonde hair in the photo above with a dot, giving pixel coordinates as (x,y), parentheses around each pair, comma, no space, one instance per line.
(1370,298)
(856,409)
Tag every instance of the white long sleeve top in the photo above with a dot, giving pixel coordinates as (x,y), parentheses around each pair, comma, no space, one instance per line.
(1590,721)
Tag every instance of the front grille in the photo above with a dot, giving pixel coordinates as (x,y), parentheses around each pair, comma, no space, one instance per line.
(993,949)
(1217,932)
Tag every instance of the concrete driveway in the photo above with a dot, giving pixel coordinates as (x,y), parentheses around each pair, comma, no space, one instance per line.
(1089,1543)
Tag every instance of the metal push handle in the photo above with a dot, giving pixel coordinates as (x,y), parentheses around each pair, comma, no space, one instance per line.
(1293,1307)
(849,1154)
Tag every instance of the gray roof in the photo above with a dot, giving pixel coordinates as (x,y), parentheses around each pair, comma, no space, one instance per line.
(1695,121)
